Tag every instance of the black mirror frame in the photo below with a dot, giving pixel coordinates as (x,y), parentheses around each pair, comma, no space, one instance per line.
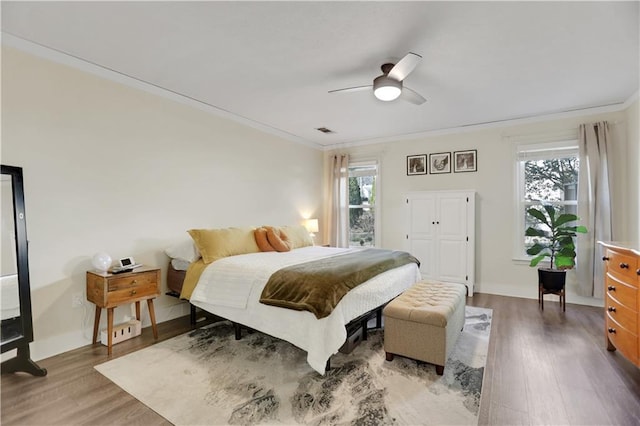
(22,362)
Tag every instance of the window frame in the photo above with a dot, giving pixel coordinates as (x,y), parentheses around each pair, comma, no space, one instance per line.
(375,206)
(538,148)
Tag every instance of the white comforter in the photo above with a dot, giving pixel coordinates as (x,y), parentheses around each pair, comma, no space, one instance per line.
(231,288)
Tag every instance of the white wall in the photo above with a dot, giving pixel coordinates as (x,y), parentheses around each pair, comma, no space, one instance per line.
(496,271)
(115,169)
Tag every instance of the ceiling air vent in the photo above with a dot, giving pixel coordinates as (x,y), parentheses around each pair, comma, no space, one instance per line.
(324,130)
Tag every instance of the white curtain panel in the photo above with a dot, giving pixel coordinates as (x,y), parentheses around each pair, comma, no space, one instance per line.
(594,206)
(339,201)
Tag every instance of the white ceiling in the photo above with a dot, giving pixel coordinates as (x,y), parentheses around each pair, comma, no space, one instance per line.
(272,63)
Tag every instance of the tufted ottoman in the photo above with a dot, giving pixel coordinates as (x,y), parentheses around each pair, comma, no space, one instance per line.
(424,322)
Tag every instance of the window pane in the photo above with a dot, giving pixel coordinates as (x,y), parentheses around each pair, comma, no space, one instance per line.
(362,195)
(551,180)
(362,229)
(548,175)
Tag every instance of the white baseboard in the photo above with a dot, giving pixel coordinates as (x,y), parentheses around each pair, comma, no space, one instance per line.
(45,348)
(531,292)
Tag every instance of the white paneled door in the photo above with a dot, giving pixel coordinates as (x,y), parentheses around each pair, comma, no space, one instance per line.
(440,233)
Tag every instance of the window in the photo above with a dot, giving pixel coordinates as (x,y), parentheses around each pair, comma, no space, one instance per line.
(546,173)
(362,204)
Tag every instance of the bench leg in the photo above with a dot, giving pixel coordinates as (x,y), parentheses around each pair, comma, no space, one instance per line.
(439,370)
(192,314)
(389,356)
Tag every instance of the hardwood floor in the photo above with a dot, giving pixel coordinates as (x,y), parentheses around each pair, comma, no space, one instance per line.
(543,368)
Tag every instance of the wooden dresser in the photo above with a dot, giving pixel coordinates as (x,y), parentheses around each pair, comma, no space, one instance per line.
(622,301)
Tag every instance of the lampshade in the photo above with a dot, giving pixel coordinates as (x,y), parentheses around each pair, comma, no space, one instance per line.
(386,89)
(101,261)
(312,225)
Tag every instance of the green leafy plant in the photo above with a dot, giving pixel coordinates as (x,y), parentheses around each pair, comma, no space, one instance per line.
(556,237)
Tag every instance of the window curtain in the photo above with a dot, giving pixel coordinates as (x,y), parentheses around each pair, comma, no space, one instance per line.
(339,201)
(594,206)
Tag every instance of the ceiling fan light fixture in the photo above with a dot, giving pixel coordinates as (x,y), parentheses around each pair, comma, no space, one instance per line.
(386,89)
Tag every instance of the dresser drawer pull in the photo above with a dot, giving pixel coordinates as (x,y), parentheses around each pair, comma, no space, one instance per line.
(624,266)
(133,292)
(605,258)
(637,271)
(611,288)
(611,309)
(134,282)
(612,330)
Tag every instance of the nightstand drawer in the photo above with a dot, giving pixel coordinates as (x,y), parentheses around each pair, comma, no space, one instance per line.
(131,293)
(112,290)
(128,281)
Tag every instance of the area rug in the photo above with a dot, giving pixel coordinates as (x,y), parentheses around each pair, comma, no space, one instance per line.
(205,377)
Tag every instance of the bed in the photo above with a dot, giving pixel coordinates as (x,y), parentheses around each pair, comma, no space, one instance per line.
(231,287)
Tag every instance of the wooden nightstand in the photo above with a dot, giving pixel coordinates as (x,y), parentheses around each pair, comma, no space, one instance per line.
(111,290)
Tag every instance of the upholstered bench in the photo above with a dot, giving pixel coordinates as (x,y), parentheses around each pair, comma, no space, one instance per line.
(424,322)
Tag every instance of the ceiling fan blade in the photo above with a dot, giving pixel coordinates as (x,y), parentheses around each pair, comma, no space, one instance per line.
(352,89)
(402,69)
(412,96)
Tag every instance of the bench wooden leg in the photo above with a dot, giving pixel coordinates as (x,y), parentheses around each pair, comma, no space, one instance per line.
(439,370)
(389,356)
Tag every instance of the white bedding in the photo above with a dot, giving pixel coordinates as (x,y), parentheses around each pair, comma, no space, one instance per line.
(231,288)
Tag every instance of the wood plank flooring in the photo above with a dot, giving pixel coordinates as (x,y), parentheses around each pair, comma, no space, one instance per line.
(544,367)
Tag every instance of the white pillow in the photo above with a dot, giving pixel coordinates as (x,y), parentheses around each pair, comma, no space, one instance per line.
(180,264)
(185,250)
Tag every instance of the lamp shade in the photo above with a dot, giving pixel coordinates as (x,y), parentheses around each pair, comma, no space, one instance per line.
(312,225)
(101,261)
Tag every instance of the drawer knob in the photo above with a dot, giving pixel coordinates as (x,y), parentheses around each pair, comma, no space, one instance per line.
(611,309)
(612,330)
(605,258)
(133,292)
(638,271)
(624,266)
(134,282)
(611,288)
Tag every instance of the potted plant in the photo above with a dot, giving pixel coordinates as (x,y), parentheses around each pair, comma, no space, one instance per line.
(555,234)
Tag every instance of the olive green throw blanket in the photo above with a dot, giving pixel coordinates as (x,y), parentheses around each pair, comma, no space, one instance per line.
(319,285)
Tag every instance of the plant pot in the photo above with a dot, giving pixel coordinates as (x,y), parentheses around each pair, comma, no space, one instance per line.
(552,280)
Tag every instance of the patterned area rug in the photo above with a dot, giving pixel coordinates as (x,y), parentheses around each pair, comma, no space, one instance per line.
(207,377)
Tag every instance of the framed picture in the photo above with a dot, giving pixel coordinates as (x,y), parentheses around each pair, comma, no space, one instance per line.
(416,164)
(465,161)
(440,163)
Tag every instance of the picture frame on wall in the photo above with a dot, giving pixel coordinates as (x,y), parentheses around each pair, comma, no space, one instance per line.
(440,162)
(465,161)
(416,164)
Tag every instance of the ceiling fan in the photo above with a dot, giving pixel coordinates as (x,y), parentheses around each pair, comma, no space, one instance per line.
(388,86)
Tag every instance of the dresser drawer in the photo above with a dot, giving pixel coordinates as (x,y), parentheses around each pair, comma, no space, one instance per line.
(621,292)
(624,340)
(622,314)
(622,266)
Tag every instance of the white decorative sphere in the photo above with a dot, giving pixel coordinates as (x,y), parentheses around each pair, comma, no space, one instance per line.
(101,261)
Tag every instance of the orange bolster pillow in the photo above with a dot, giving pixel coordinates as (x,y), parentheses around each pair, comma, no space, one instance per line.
(278,239)
(261,239)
